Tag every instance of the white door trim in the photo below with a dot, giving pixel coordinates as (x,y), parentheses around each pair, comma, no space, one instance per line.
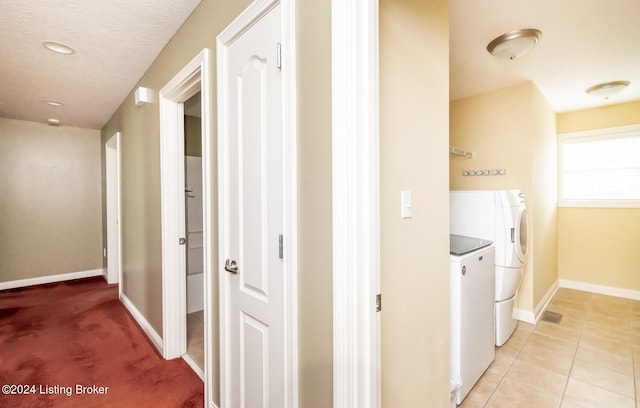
(244,21)
(195,76)
(356,203)
(290,199)
(112,164)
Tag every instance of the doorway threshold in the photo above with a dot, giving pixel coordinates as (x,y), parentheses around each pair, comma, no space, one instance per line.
(194,366)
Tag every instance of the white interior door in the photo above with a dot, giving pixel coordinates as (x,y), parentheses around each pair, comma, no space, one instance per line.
(252,218)
(112,164)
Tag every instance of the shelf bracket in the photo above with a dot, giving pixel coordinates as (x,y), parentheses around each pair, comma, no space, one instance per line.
(459,152)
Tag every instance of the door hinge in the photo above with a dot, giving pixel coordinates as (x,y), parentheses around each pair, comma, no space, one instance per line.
(279,56)
(378,302)
(280,247)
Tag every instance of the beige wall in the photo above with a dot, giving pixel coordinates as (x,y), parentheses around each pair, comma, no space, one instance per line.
(623,114)
(50,200)
(514,129)
(497,127)
(141,225)
(544,198)
(414,94)
(599,245)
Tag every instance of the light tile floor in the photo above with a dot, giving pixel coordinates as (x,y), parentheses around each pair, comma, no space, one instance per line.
(590,359)
(195,337)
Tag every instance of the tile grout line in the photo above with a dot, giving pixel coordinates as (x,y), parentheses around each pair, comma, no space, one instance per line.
(589,305)
(575,353)
(509,367)
(573,362)
(632,361)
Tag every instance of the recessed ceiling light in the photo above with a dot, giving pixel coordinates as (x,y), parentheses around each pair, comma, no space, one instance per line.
(51,102)
(53,122)
(514,44)
(58,47)
(606,90)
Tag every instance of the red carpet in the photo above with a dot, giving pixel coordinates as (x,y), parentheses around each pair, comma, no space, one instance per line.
(58,338)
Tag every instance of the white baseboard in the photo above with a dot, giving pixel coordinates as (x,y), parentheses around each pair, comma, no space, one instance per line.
(194,366)
(156,340)
(524,315)
(600,289)
(21,283)
(546,299)
(534,316)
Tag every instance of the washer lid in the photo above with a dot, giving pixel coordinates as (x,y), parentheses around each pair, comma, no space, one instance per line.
(460,245)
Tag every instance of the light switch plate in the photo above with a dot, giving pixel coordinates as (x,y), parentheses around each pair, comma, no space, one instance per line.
(405,203)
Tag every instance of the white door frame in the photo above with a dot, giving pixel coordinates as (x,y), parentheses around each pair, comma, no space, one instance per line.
(114,230)
(194,77)
(356,203)
(246,19)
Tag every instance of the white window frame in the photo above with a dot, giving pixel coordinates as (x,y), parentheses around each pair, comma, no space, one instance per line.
(590,135)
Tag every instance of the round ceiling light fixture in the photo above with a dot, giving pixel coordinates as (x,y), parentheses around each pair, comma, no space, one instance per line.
(514,44)
(606,90)
(53,122)
(58,47)
(51,102)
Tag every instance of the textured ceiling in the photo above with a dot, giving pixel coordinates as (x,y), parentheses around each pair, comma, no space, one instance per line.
(115,42)
(584,42)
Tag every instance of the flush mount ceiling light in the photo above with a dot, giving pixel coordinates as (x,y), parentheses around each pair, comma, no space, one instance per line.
(606,90)
(51,102)
(53,122)
(514,44)
(58,47)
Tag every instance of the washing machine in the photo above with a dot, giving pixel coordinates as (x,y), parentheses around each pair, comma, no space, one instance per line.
(472,283)
(499,216)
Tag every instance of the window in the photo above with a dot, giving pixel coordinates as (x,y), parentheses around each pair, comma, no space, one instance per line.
(600,168)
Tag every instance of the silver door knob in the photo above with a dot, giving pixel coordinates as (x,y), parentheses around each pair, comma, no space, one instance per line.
(231,266)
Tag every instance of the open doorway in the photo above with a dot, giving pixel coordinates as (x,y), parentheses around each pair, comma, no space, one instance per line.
(194,229)
(112,154)
(192,79)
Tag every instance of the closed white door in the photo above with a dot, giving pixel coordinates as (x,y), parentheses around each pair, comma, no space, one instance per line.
(252,220)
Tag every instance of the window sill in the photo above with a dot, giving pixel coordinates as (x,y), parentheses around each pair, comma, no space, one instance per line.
(599,203)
